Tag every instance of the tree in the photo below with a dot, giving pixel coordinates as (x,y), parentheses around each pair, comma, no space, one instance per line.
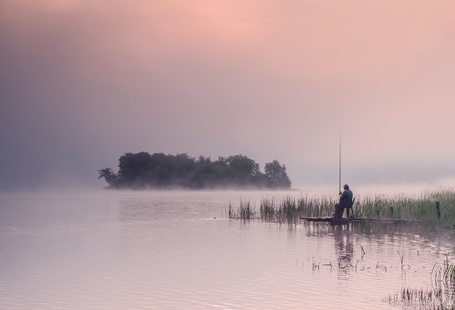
(242,169)
(109,176)
(276,175)
(134,168)
(204,174)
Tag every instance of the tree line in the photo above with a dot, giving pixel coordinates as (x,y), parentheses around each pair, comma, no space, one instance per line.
(160,171)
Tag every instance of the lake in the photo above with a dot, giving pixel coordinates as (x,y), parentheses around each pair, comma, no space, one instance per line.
(178,250)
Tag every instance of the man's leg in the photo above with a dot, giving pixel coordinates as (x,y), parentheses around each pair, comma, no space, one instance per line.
(338,211)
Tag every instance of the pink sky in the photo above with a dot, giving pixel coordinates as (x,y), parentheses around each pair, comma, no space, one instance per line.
(86,81)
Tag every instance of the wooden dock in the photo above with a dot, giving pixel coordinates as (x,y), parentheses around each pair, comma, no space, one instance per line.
(348,220)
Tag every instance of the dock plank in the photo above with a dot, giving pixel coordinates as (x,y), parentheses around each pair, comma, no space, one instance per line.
(346,220)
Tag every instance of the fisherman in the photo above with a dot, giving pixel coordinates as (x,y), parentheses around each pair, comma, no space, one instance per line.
(345,202)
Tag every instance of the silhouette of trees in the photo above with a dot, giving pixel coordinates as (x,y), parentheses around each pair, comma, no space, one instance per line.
(276,175)
(142,170)
(109,175)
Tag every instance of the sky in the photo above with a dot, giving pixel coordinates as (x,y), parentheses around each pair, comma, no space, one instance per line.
(83,82)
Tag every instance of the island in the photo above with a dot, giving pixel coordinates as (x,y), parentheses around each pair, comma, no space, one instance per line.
(160,171)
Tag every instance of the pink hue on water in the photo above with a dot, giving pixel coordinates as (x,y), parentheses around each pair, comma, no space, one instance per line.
(177,250)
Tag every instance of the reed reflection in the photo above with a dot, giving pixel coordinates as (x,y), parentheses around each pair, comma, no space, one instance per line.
(344,248)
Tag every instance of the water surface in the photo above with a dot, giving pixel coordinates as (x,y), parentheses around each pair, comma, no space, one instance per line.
(177,250)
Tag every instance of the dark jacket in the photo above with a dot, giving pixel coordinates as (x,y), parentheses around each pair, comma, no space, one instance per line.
(346,198)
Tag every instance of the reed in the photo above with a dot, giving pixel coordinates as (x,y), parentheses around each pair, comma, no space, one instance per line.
(419,207)
(430,298)
(289,209)
(448,273)
(282,211)
(246,211)
(440,295)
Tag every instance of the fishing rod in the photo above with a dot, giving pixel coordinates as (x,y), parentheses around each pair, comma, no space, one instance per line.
(339,177)
(339,166)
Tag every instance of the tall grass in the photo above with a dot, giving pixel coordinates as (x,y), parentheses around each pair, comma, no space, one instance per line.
(430,298)
(246,211)
(283,210)
(418,207)
(290,209)
(440,295)
(448,273)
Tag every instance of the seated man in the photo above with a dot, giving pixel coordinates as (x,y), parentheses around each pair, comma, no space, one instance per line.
(345,202)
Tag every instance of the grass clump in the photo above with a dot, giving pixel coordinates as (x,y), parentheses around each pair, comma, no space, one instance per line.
(287,210)
(246,211)
(290,209)
(430,298)
(440,295)
(421,207)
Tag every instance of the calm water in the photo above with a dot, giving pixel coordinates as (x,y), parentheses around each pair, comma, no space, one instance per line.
(177,250)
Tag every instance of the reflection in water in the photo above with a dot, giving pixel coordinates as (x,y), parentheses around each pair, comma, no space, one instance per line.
(344,248)
(407,255)
(176,250)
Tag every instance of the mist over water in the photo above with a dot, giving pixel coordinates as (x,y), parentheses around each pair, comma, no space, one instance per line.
(387,189)
(177,249)
(270,80)
(267,79)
